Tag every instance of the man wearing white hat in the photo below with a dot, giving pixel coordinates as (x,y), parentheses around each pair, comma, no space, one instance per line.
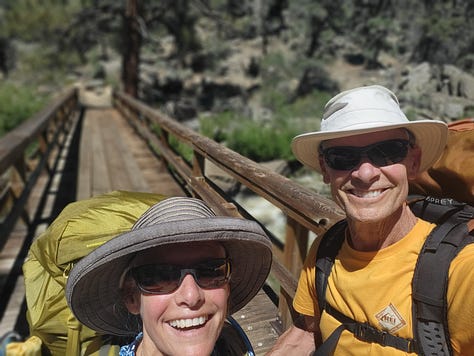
(367,151)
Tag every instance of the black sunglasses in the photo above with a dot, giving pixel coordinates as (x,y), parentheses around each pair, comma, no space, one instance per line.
(165,278)
(381,154)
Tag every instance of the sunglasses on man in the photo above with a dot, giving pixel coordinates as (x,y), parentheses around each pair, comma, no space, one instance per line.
(380,154)
(166,278)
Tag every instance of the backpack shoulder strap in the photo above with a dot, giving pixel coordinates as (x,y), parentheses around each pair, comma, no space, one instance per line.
(329,246)
(430,282)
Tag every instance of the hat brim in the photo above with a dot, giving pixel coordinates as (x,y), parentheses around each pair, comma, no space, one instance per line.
(430,136)
(93,285)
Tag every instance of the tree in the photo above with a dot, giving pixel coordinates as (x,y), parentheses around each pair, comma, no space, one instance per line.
(132,44)
(372,22)
(316,19)
(446,34)
(7,56)
(139,21)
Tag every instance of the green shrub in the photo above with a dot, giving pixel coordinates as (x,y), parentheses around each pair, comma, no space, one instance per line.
(258,140)
(261,143)
(274,99)
(217,126)
(310,107)
(17,104)
(265,139)
(38,20)
(275,69)
(36,66)
(183,149)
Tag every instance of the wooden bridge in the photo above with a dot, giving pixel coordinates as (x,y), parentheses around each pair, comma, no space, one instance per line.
(77,148)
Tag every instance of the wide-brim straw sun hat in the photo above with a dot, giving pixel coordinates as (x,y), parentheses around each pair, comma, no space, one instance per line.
(93,286)
(364,110)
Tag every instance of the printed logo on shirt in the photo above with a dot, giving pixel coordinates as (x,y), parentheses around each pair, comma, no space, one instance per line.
(390,319)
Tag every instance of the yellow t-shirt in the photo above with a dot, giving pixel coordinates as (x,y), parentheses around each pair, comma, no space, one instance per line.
(375,287)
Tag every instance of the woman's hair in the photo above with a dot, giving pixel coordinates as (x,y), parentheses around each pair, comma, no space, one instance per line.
(128,291)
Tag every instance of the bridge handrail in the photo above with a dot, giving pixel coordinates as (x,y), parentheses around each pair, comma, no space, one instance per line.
(305,210)
(21,164)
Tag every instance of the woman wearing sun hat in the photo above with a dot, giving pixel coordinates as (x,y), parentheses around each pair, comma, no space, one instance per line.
(172,279)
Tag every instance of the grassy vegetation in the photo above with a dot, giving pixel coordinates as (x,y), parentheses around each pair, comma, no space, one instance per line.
(38,67)
(17,103)
(38,20)
(184,150)
(262,143)
(264,139)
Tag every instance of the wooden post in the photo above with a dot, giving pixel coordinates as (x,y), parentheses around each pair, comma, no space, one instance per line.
(198,164)
(296,246)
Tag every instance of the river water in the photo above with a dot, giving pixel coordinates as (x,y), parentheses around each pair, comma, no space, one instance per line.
(272,217)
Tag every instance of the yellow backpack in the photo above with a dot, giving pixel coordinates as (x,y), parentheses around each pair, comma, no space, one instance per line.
(80,228)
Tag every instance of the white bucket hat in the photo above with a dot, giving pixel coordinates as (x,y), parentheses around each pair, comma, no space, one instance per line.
(369,109)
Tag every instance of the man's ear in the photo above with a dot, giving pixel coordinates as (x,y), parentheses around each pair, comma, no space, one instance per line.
(413,164)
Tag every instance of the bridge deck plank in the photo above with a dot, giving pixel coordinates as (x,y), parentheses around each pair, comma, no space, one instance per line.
(112,157)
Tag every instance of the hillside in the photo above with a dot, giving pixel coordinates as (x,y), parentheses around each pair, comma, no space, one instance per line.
(227,67)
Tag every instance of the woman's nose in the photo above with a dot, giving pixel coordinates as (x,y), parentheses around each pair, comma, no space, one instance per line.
(189,293)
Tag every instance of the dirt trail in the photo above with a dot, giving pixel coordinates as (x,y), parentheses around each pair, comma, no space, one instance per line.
(96,96)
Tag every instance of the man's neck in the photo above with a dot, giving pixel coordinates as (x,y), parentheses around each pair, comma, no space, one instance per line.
(374,236)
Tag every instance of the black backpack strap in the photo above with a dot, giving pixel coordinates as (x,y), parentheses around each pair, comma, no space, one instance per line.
(329,246)
(430,282)
(364,332)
